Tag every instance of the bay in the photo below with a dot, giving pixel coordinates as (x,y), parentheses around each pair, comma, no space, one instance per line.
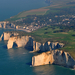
(10,8)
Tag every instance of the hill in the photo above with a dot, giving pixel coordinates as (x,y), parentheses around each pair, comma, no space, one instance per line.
(43,10)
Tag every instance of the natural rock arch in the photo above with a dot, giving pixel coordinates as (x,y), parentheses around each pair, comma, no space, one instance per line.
(24,41)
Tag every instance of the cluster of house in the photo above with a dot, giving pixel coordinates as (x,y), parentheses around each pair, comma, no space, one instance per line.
(7,24)
(66,20)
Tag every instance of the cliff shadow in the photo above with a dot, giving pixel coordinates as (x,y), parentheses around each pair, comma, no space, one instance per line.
(14,45)
(29,45)
(29,63)
(4,46)
(2,38)
(58,46)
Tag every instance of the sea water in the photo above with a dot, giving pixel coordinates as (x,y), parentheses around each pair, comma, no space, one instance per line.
(10,8)
(17,61)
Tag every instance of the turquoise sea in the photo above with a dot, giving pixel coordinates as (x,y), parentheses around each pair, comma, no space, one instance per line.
(17,61)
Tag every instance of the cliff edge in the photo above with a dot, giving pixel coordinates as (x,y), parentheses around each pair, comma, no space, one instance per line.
(54,57)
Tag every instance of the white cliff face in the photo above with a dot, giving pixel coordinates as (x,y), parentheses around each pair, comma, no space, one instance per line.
(20,41)
(10,42)
(23,41)
(3,24)
(48,46)
(53,57)
(26,41)
(7,35)
(38,46)
(17,40)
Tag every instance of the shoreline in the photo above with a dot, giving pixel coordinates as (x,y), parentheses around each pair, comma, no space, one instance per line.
(25,30)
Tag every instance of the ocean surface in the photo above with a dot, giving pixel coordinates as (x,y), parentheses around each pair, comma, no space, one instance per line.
(10,8)
(17,61)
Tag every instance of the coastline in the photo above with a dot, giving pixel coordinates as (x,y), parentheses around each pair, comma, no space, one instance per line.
(18,60)
(19,29)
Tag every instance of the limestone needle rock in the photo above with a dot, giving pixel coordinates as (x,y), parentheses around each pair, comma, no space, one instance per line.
(10,43)
(38,46)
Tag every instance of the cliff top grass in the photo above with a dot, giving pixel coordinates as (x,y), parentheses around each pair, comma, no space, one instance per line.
(48,34)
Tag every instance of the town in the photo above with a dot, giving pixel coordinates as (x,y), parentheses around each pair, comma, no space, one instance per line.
(35,22)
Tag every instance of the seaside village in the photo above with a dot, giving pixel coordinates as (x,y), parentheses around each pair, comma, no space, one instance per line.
(8,25)
(36,23)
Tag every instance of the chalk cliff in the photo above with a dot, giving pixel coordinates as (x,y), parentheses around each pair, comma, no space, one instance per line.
(53,57)
(47,46)
(3,24)
(23,41)
(27,41)
(7,35)
(49,56)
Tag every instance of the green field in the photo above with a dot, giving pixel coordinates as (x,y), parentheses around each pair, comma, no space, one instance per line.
(52,8)
(47,34)
(40,11)
(44,11)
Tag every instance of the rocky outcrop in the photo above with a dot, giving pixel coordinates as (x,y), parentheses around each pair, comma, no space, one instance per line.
(49,55)
(3,24)
(26,41)
(7,35)
(54,57)
(23,41)
(46,46)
